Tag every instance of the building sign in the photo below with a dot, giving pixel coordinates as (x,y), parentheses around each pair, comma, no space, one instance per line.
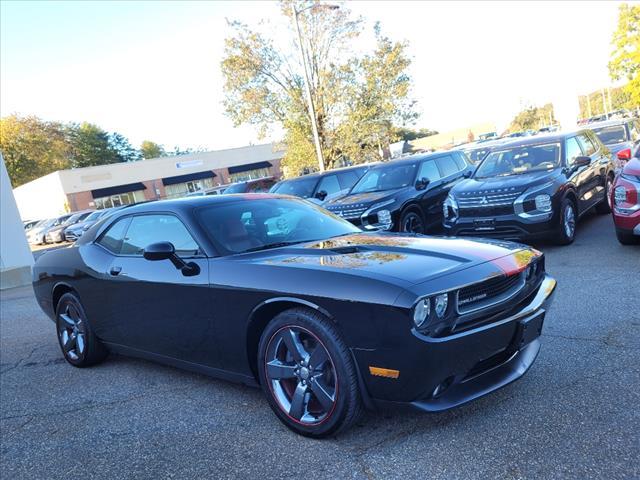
(189,164)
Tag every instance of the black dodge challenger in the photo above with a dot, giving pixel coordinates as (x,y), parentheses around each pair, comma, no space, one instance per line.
(274,291)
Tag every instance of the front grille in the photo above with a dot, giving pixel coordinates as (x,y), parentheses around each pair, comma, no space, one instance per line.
(490,292)
(488,199)
(349,211)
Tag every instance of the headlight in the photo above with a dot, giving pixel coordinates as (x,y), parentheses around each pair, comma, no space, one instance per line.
(384,218)
(441,303)
(543,202)
(421,312)
(450,208)
(620,195)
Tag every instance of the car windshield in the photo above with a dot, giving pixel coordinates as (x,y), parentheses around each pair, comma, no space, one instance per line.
(302,187)
(519,160)
(388,177)
(253,225)
(237,188)
(611,135)
(477,154)
(95,215)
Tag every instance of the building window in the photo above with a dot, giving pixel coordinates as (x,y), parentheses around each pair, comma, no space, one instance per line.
(182,189)
(119,199)
(249,175)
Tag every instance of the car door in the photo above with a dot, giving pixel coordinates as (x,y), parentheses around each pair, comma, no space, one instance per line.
(432,195)
(153,306)
(589,178)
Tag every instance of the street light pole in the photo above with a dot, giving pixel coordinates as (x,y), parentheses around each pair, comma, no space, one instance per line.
(312,110)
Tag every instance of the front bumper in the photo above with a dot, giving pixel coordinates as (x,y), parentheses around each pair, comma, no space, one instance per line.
(436,374)
(627,223)
(508,227)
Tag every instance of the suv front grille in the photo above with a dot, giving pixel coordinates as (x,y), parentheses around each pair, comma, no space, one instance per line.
(349,211)
(490,292)
(489,199)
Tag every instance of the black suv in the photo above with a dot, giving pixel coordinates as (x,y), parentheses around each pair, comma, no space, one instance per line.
(322,187)
(403,195)
(531,187)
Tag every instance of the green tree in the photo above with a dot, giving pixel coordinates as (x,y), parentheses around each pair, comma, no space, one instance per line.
(32,148)
(120,144)
(407,134)
(358,99)
(90,146)
(149,149)
(533,118)
(625,58)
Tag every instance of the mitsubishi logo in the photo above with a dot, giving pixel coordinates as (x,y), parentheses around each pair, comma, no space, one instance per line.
(484,201)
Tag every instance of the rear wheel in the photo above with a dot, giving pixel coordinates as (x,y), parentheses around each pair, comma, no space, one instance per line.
(605,205)
(307,374)
(79,345)
(626,238)
(567,223)
(412,222)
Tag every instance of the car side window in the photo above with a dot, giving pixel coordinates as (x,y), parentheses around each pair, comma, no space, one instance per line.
(112,238)
(573,150)
(147,229)
(460,161)
(447,165)
(587,145)
(329,184)
(429,170)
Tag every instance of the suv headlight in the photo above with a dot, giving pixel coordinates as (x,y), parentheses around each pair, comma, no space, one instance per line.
(385,221)
(543,202)
(450,208)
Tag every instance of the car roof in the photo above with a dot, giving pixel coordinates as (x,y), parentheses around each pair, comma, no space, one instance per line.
(327,172)
(608,123)
(542,138)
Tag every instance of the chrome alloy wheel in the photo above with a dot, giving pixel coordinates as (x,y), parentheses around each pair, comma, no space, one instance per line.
(72,333)
(301,375)
(569,221)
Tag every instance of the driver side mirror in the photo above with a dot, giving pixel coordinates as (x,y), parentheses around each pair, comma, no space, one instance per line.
(422,183)
(321,195)
(166,251)
(582,161)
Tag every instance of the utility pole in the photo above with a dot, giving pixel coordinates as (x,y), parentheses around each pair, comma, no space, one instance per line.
(604,102)
(312,110)
(588,106)
(609,96)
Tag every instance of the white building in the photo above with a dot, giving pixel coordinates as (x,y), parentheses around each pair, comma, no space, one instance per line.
(153,179)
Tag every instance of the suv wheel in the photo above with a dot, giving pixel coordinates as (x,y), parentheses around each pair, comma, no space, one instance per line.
(605,205)
(567,222)
(411,222)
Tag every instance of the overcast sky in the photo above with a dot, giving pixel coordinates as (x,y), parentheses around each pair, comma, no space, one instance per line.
(150,70)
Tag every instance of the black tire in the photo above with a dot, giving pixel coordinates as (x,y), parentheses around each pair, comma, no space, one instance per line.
(412,221)
(604,206)
(338,378)
(79,345)
(566,235)
(626,238)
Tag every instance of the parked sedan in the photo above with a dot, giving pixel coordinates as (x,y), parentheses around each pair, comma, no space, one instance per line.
(403,195)
(622,137)
(322,187)
(57,234)
(626,203)
(38,234)
(259,185)
(533,187)
(75,231)
(276,292)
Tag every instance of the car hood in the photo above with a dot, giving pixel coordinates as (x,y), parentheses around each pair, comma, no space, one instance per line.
(366,198)
(408,260)
(512,182)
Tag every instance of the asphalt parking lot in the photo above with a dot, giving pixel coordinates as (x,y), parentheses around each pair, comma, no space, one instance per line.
(576,414)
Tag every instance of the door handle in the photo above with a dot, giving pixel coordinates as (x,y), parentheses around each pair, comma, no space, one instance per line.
(115,271)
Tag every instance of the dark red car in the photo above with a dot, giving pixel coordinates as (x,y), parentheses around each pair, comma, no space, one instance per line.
(626,203)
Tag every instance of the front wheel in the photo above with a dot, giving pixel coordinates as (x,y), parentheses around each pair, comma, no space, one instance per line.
(307,374)
(412,222)
(566,232)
